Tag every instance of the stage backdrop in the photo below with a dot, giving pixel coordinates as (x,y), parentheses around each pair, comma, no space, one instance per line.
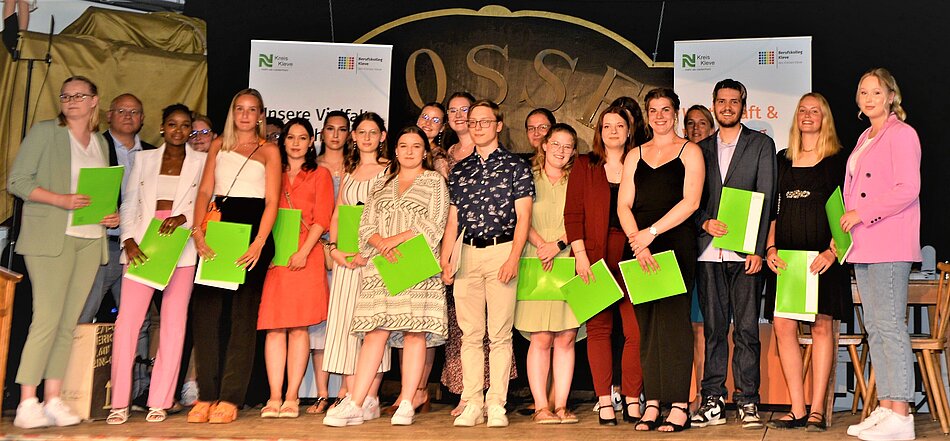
(303,79)
(776,72)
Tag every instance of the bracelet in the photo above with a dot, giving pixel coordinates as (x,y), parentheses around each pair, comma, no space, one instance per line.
(770,247)
(330,246)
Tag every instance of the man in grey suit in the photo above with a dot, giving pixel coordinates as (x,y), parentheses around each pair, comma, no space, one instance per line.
(730,284)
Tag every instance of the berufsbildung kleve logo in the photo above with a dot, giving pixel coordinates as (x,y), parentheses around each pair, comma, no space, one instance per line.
(346,63)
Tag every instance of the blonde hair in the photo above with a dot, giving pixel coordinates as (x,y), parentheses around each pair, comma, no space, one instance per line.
(229,135)
(828,143)
(537,161)
(94,90)
(890,83)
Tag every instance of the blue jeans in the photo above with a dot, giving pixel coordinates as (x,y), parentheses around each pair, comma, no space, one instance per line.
(883,288)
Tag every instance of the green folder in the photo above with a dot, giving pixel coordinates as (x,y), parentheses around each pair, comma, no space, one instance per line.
(286,232)
(348,228)
(796,288)
(586,300)
(163,253)
(645,287)
(741,211)
(229,241)
(834,208)
(102,185)
(416,264)
(534,283)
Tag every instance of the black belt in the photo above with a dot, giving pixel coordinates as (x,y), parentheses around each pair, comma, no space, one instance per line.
(113,238)
(482,243)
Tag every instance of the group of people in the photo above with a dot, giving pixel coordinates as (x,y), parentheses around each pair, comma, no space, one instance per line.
(642,190)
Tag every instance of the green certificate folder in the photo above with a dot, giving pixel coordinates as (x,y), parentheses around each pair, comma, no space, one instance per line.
(586,300)
(645,287)
(796,288)
(102,186)
(834,208)
(416,264)
(229,241)
(534,283)
(163,253)
(348,228)
(741,211)
(286,234)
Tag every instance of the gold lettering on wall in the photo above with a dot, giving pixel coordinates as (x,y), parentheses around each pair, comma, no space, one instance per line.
(549,77)
(597,97)
(488,73)
(440,77)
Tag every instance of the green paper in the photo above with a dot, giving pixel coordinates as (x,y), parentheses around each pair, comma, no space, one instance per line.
(645,287)
(834,209)
(416,264)
(102,185)
(586,300)
(229,241)
(796,288)
(534,283)
(348,228)
(286,232)
(741,211)
(163,253)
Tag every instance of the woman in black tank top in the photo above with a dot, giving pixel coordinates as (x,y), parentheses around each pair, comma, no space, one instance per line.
(661,187)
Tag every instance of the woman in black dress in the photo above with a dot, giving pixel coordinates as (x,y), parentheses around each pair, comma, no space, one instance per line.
(808,172)
(661,187)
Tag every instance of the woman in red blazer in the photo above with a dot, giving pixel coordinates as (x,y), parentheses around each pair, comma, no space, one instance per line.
(594,231)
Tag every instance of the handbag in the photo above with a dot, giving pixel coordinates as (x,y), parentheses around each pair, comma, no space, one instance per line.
(214,213)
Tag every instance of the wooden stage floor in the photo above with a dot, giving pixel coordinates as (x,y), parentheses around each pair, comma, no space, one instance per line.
(436,425)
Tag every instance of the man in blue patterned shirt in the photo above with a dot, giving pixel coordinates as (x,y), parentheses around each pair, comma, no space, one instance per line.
(491,193)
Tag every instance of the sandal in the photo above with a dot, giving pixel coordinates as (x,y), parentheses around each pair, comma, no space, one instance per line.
(606,421)
(200,412)
(155,415)
(627,416)
(318,407)
(425,406)
(545,416)
(271,409)
(290,409)
(223,413)
(816,426)
(566,416)
(677,427)
(118,416)
(649,424)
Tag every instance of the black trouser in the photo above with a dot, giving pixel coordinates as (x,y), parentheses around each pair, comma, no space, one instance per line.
(727,293)
(666,348)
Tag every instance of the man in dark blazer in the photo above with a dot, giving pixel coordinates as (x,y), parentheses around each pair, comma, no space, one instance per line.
(730,284)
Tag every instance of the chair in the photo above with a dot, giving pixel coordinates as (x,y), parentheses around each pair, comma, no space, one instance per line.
(929,348)
(8,281)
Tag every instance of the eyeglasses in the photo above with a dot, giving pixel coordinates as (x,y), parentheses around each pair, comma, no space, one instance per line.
(432,119)
(554,145)
(203,132)
(77,97)
(127,112)
(539,128)
(483,123)
(463,109)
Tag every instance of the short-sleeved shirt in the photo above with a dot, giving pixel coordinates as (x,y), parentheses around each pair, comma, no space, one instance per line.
(485,191)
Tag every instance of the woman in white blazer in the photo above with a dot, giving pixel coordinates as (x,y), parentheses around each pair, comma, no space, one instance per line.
(163,184)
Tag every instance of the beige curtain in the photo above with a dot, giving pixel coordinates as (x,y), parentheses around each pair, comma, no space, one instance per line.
(158,57)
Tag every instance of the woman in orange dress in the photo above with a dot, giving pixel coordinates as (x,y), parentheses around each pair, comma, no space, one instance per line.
(296,296)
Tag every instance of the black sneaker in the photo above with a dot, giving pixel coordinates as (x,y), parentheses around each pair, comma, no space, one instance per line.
(710,413)
(748,415)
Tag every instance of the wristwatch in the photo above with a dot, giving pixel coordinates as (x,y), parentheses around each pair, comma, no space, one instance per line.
(652,230)
(561,245)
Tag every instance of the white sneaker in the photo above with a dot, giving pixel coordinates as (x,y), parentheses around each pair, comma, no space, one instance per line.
(30,415)
(470,417)
(370,408)
(345,414)
(616,399)
(711,413)
(496,416)
(893,427)
(189,393)
(404,414)
(875,417)
(59,413)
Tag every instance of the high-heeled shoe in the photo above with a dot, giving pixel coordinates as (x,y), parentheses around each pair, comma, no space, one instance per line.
(650,424)
(676,427)
(425,406)
(627,416)
(606,421)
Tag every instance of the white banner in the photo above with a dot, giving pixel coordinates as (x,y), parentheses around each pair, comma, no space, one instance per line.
(775,71)
(308,80)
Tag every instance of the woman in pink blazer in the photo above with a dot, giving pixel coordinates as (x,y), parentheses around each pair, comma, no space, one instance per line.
(881,194)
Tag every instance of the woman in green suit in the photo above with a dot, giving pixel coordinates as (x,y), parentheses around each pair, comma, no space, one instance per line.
(61,259)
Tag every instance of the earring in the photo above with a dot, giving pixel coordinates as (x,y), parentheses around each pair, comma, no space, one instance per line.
(161,132)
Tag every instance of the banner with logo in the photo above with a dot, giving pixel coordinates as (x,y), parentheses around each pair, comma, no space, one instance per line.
(308,80)
(776,72)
